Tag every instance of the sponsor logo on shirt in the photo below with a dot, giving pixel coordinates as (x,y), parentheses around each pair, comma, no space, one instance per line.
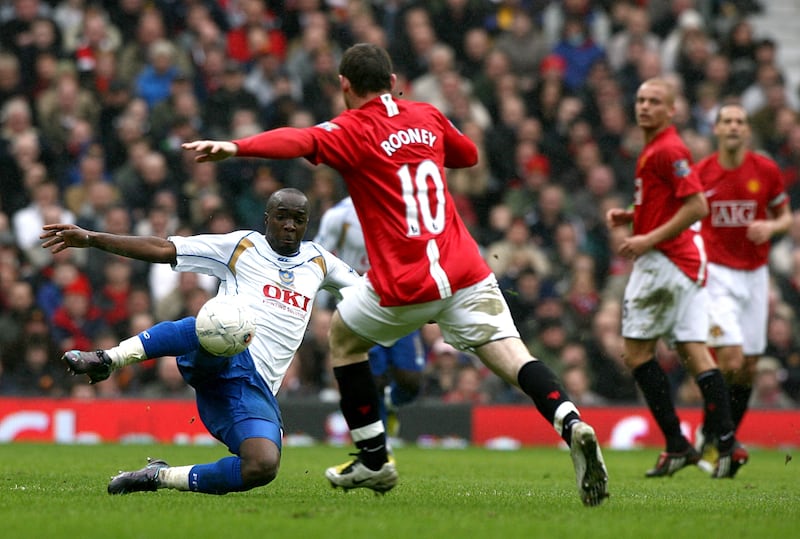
(287,297)
(733,213)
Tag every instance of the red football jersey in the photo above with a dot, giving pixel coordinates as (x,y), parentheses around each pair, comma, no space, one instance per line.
(392,155)
(664,177)
(736,198)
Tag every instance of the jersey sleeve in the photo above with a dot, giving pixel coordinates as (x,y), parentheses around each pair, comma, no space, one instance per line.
(209,254)
(675,165)
(459,150)
(335,144)
(777,189)
(339,275)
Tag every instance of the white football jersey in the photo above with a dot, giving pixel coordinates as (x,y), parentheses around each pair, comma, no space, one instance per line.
(340,232)
(282,288)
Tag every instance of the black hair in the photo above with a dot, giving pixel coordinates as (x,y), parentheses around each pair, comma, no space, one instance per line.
(276,197)
(367,67)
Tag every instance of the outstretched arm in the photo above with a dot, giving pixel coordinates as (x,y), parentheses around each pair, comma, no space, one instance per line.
(281,143)
(59,236)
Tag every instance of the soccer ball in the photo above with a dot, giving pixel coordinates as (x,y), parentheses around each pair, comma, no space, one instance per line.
(225,325)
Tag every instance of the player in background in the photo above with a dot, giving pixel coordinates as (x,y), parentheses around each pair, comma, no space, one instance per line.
(424,265)
(665,295)
(235,396)
(397,368)
(748,207)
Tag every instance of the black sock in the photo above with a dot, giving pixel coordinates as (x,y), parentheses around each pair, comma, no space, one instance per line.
(740,397)
(540,383)
(656,390)
(717,407)
(360,407)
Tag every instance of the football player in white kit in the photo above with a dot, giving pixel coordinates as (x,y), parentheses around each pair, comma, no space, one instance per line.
(280,274)
(397,368)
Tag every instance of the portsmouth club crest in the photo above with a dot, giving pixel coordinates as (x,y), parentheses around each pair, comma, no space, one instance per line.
(286,276)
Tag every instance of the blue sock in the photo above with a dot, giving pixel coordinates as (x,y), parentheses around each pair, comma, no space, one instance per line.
(400,396)
(170,338)
(219,477)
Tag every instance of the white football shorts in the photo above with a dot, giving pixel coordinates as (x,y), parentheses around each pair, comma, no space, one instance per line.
(738,308)
(662,301)
(471,317)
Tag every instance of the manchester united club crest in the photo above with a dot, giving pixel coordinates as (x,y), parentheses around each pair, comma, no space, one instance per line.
(286,277)
(716,331)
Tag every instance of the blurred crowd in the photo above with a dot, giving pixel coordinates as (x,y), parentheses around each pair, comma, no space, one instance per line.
(97,96)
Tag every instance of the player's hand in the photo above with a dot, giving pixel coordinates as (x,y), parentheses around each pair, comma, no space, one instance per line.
(211,150)
(59,236)
(759,231)
(618,217)
(634,246)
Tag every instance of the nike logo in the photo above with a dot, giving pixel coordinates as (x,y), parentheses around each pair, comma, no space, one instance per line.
(710,193)
(359,481)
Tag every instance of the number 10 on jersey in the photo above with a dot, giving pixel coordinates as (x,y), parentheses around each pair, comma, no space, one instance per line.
(417,199)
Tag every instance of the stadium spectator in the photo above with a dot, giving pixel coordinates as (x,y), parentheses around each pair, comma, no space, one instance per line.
(467,388)
(578,385)
(579,51)
(78,320)
(767,386)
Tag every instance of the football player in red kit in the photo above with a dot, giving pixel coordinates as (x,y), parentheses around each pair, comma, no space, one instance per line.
(748,206)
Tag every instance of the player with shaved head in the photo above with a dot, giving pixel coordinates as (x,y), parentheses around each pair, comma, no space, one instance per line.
(665,296)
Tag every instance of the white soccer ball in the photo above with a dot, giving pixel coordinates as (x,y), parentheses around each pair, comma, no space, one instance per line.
(225,325)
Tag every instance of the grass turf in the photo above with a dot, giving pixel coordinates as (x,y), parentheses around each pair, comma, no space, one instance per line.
(52,491)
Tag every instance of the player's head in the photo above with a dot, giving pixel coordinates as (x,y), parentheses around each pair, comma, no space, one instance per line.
(286,220)
(655,104)
(731,127)
(365,69)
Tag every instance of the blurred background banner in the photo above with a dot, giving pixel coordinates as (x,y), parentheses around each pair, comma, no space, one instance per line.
(70,421)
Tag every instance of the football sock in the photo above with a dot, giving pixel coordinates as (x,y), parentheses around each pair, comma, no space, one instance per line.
(717,407)
(655,387)
(740,396)
(174,477)
(163,339)
(540,383)
(219,477)
(170,338)
(360,407)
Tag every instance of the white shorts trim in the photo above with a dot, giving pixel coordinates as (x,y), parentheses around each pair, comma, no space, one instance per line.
(662,301)
(738,310)
(471,317)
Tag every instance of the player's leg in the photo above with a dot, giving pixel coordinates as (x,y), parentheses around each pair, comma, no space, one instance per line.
(405,364)
(360,406)
(478,319)
(358,324)
(753,316)
(243,414)
(651,308)
(163,339)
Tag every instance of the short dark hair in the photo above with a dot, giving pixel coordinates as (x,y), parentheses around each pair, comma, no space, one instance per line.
(368,67)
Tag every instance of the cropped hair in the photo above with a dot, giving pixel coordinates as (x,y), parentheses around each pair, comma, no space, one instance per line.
(367,67)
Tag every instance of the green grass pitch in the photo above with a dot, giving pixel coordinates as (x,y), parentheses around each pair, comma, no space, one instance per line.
(54,491)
